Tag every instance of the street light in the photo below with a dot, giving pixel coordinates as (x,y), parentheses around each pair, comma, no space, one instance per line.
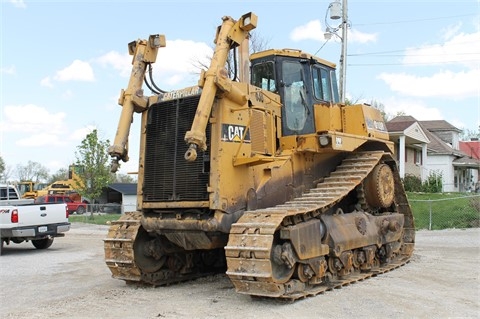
(338,10)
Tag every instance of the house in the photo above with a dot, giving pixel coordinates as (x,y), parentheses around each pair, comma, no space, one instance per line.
(460,171)
(410,146)
(441,154)
(472,150)
(122,196)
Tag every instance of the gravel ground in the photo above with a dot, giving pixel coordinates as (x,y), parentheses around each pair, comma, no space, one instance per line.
(71,280)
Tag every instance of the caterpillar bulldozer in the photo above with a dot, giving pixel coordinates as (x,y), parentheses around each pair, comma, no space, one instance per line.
(262,174)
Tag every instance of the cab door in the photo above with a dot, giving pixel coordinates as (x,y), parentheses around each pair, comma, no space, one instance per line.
(295,91)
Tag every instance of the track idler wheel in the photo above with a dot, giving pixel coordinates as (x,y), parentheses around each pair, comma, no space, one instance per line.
(380,187)
(283,263)
(147,258)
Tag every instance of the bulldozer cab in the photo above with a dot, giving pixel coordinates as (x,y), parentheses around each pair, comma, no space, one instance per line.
(301,81)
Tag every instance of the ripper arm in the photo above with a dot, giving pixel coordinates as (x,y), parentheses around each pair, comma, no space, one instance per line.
(132,99)
(229,35)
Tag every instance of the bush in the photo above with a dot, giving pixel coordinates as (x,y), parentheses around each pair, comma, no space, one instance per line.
(433,184)
(412,183)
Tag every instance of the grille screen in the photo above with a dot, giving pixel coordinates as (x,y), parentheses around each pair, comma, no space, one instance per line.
(168,176)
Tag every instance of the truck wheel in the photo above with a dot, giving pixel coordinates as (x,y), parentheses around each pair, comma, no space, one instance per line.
(43,243)
(80,210)
(1,246)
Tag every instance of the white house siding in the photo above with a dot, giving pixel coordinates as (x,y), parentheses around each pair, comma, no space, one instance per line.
(442,164)
(416,132)
(129,203)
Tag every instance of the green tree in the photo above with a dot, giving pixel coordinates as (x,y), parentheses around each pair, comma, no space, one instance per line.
(124,178)
(33,171)
(60,175)
(468,134)
(94,174)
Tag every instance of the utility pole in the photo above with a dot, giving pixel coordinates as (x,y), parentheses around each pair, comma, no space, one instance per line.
(343,56)
(339,10)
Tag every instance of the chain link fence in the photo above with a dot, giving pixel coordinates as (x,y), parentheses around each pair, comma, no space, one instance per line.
(109,208)
(458,211)
(448,211)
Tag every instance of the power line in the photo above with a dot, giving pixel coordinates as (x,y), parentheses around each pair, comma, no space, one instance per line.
(407,55)
(419,63)
(415,20)
(410,49)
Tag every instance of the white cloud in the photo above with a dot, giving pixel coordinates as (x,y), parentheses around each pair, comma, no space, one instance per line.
(31,118)
(310,31)
(120,62)
(18,3)
(8,70)
(46,82)
(361,37)
(77,71)
(81,133)
(458,79)
(182,56)
(34,126)
(174,64)
(451,30)
(442,84)
(313,30)
(413,108)
(461,49)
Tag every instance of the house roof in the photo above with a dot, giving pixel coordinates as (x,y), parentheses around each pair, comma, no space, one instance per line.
(398,126)
(409,127)
(436,145)
(466,161)
(471,148)
(403,118)
(439,125)
(124,188)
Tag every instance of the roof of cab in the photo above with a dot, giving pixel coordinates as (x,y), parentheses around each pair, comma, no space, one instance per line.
(291,53)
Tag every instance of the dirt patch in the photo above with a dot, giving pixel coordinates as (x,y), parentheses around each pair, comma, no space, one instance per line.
(71,280)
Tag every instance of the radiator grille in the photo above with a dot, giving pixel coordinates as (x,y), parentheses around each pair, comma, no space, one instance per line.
(168,176)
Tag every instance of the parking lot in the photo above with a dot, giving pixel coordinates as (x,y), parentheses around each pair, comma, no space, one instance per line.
(71,280)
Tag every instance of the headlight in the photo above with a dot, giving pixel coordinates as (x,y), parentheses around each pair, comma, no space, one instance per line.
(324,140)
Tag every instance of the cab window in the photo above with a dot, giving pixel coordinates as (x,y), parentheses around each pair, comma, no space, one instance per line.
(263,76)
(322,87)
(294,94)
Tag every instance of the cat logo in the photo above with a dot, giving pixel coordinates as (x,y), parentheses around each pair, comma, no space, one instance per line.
(235,133)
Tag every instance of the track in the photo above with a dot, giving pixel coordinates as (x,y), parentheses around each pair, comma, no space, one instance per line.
(127,248)
(119,254)
(250,249)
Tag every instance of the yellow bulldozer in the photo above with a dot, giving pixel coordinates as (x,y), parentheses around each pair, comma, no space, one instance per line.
(68,186)
(263,175)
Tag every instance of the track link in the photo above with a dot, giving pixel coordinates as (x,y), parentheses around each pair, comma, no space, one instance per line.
(251,240)
(119,254)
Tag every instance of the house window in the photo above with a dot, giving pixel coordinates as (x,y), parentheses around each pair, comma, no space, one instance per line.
(418,157)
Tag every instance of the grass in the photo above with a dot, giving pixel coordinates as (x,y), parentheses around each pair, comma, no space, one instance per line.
(97,219)
(445,210)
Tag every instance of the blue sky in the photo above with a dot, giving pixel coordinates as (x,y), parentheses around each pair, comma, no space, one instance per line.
(63,63)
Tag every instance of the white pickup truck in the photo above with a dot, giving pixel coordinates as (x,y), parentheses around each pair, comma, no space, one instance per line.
(22,220)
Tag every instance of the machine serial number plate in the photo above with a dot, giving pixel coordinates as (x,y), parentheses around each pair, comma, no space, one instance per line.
(42,229)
